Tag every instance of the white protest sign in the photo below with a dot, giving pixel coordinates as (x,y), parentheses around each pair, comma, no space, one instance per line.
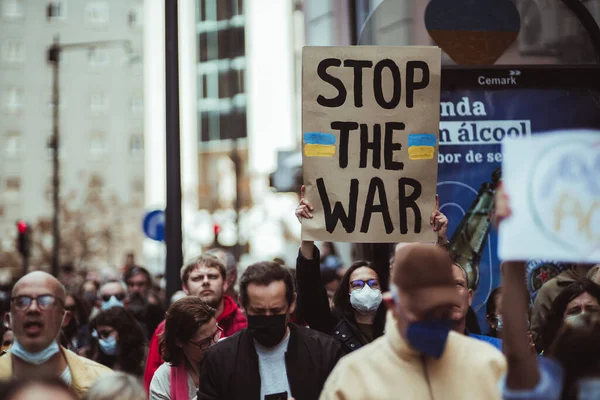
(553,182)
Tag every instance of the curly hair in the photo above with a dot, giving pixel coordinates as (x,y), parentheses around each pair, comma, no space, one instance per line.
(182,321)
(341,300)
(131,344)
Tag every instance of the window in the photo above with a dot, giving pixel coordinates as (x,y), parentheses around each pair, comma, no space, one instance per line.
(96,13)
(96,182)
(209,84)
(12,100)
(223,10)
(136,104)
(135,16)
(57,9)
(12,185)
(13,51)
(12,145)
(97,145)
(136,144)
(208,46)
(137,186)
(97,57)
(13,8)
(98,102)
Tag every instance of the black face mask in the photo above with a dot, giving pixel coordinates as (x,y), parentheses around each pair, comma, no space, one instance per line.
(267,330)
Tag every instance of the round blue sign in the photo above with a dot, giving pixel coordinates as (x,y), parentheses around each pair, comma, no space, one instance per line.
(154,225)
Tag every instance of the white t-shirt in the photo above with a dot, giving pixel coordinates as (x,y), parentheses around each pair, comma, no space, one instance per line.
(66,376)
(160,386)
(273,372)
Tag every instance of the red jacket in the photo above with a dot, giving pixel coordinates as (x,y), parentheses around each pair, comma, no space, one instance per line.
(231,320)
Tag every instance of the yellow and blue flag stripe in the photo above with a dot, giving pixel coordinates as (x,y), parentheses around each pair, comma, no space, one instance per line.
(421,146)
(318,144)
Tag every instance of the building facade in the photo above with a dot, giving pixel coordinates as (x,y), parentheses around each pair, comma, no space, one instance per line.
(239,105)
(101,125)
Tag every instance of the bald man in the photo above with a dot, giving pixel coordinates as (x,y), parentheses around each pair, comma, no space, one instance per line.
(37,314)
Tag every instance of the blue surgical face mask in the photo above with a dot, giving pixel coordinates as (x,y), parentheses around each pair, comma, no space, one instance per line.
(38,358)
(112,302)
(108,345)
(427,337)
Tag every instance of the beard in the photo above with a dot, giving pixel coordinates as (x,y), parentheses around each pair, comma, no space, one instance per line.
(212,299)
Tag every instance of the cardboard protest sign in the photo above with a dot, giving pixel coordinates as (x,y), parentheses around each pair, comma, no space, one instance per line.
(370,122)
(554,189)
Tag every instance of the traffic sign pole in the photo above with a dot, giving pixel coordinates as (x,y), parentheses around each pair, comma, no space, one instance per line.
(173,233)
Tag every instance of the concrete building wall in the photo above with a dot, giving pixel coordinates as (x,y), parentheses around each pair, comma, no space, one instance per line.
(101,110)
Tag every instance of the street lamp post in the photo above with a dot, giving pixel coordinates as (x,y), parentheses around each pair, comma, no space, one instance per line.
(54,59)
(173,232)
(54,54)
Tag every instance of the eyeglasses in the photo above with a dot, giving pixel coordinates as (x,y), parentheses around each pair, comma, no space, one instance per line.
(118,296)
(44,302)
(137,284)
(103,334)
(206,343)
(359,284)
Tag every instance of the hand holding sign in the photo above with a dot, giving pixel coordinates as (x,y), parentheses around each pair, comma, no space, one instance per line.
(439,222)
(304,207)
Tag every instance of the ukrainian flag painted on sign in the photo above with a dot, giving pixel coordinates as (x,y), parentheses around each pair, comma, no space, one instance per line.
(317,144)
(421,146)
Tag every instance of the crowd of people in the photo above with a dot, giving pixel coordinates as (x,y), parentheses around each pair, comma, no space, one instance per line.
(320,330)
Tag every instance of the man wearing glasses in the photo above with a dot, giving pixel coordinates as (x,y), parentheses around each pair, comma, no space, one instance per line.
(37,314)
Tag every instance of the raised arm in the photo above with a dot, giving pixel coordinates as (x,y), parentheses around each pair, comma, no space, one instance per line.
(522,362)
(523,373)
(439,222)
(312,294)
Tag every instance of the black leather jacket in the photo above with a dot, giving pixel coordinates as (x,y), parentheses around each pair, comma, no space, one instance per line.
(230,370)
(312,299)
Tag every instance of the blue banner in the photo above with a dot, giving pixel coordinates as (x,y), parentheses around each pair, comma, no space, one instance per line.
(474,122)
